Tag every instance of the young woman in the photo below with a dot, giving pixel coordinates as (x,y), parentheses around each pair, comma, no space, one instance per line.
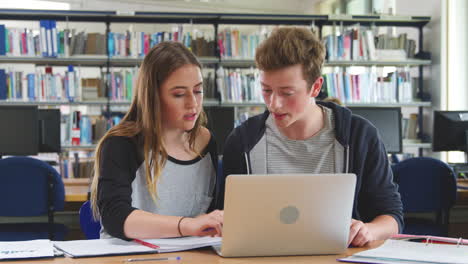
(155,172)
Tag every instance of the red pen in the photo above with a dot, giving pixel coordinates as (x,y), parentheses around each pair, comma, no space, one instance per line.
(144,243)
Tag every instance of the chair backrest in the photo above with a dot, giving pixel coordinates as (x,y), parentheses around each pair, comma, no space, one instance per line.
(89,226)
(425,184)
(30,187)
(25,187)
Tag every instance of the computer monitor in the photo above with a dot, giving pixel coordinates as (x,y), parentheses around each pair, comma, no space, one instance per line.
(18,135)
(221,123)
(388,122)
(450,131)
(49,130)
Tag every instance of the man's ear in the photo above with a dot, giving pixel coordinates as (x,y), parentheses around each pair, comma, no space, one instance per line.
(316,87)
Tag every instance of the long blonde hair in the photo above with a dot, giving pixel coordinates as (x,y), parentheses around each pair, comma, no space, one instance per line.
(144,117)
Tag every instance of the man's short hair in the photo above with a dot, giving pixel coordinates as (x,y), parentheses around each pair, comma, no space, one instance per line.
(288,46)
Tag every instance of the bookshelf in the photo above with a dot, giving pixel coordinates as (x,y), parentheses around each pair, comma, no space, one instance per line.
(207,102)
(217,21)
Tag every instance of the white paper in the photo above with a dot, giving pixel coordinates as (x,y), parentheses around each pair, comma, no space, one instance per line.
(115,246)
(41,248)
(184,243)
(414,251)
(101,247)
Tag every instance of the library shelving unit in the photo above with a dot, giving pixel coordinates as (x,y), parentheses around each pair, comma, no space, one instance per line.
(215,19)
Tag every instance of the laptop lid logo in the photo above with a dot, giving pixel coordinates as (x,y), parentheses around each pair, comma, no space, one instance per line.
(289,215)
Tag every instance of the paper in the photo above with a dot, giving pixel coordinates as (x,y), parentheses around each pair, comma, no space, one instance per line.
(101,247)
(355,259)
(184,243)
(115,246)
(41,248)
(412,251)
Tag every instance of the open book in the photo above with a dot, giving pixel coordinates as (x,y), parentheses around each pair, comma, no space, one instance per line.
(115,246)
(397,251)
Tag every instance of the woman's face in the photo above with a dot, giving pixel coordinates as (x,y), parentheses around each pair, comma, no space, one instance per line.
(182,98)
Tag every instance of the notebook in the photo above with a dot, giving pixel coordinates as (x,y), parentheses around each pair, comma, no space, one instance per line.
(287,214)
(397,251)
(41,248)
(115,246)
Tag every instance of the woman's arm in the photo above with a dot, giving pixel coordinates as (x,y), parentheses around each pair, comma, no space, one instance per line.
(141,224)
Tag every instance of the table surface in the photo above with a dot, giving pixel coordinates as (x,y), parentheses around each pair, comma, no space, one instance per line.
(76,190)
(203,256)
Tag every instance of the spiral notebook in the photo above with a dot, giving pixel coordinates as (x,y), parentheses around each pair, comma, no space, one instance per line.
(398,251)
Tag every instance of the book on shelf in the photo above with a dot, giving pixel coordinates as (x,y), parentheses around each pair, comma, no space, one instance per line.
(121,83)
(77,164)
(46,40)
(39,86)
(92,89)
(137,43)
(83,130)
(356,43)
(239,85)
(369,87)
(412,127)
(235,44)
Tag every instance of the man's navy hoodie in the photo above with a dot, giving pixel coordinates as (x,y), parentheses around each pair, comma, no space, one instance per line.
(365,156)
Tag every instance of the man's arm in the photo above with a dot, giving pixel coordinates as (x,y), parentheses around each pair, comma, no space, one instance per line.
(379,203)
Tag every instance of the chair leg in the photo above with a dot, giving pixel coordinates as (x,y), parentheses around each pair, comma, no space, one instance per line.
(50,205)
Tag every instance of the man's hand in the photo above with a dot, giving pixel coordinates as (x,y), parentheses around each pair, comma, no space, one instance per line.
(359,234)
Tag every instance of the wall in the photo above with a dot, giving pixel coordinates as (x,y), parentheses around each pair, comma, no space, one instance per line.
(221,6)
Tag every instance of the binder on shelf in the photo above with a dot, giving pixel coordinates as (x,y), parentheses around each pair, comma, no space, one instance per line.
(3,85)
(2,40)
(43,37)
(48,27)
(53,28)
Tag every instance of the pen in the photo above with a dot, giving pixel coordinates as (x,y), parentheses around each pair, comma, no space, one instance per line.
(144,243)
(153,259)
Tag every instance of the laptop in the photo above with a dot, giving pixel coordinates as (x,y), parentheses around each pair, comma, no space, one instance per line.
(289,214)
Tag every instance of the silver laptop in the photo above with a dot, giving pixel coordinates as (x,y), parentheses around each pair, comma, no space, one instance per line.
(293,214)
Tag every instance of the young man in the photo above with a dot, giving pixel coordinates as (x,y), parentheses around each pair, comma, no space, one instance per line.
(299,135)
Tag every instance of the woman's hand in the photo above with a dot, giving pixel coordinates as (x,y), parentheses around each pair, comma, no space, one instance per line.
(203,225)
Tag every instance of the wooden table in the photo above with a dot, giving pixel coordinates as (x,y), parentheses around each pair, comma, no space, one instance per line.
(76,190)
(204,256)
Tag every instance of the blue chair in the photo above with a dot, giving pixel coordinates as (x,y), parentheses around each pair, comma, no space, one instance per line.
(426,185)
(88,225)
(30,187)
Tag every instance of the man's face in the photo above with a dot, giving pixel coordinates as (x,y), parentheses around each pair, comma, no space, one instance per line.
(287,95)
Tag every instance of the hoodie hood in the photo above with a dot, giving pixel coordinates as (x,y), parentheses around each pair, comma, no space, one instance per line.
(254,128)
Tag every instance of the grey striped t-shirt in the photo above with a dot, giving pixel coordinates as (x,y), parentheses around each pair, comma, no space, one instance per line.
(312,155)
(184,188)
